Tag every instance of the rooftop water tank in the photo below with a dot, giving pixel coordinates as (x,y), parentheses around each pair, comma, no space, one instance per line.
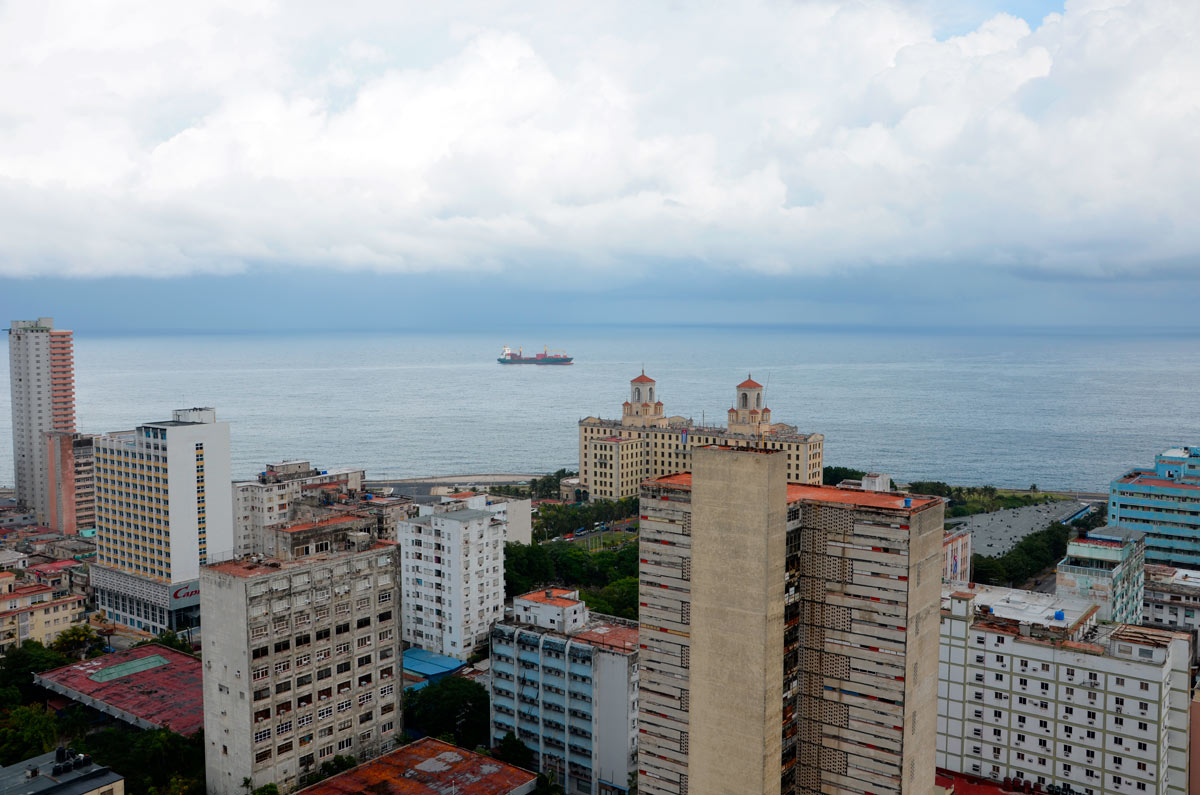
(1059,615)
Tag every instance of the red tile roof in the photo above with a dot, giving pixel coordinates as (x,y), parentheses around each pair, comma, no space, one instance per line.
(462,495)
(642,379)
(749,383)
(332,520)
(428,767)
(164,692)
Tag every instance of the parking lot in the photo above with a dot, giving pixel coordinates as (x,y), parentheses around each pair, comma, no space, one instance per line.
(998,532)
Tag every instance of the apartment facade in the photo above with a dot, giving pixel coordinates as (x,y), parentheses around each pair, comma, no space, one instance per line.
(302,662)
(267,500)
(1107,568)
(1164,503)
(565,682)
(71,483)
(41,366)
(163,510)
(453,570)
(35,611)
(615,456)
(1171,600)
(782,631)
(1032,687)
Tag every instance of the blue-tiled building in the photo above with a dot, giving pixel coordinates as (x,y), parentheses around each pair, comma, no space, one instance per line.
(1164,503)
(565,683)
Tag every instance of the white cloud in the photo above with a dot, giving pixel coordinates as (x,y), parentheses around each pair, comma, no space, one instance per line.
(160,139)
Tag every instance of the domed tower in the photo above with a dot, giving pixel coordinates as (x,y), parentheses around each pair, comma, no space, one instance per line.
(643,408)
(749,414)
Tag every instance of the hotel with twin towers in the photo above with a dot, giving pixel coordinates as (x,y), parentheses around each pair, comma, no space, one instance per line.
(615,456)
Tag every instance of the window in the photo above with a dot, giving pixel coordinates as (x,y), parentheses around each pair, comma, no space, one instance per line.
(345,743)
(262,735)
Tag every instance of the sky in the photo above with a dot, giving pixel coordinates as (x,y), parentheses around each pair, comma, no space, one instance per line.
(256,164)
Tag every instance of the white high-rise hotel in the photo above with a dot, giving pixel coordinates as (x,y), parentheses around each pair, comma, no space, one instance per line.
(163,509)
(42,377)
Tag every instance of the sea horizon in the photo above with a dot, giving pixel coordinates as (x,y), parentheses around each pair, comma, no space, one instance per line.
(1060,407)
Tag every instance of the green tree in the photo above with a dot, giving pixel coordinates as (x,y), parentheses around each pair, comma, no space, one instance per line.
(77,641)
(25,732)
(154,762)
(831,476)
(266,789)
(514,752)
(17,668)
(454,706)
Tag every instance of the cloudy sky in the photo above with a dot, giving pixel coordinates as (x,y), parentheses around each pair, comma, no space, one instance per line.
(857,161)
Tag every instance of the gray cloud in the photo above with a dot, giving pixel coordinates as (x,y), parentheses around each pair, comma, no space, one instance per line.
(770,138)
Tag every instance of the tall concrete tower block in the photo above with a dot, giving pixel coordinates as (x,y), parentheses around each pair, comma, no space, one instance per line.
(41,367)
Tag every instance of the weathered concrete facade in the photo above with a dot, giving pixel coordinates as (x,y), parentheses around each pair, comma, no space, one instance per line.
(739,534)
(788,633)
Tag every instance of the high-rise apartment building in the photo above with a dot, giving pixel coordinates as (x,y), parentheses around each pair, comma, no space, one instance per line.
(41,368)
(163,510)
(267,500)
(565,682)
(302,662)
(1106,567)
(71,481)
(787,632)
(1032,687)
(453,579)
(1164,503)
(615,456)
(1171,600)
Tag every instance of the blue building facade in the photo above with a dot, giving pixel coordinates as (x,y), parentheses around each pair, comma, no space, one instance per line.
(571,697)
(1164,503)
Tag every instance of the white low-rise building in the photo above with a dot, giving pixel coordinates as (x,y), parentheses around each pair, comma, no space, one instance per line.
(453,579)
(1031,686)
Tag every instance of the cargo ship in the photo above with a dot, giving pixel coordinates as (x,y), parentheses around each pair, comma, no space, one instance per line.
(508,356)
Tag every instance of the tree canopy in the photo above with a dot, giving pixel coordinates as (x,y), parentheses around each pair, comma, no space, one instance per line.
(155,762)
(454,706)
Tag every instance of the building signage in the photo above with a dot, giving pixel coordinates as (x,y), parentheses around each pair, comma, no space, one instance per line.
(185,594)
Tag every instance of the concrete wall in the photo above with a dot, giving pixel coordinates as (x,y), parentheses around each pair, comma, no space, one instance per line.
(228,754)
(614,710)
(738,555)
(922,639)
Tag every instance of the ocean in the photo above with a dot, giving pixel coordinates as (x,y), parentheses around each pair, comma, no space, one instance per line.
(1060,410)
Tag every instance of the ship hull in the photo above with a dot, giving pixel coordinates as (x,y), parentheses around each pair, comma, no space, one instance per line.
(561,361)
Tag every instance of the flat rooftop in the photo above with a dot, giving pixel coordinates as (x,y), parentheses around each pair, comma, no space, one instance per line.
(264,566)
(1148,477)
(327,522)
(429,767)
(609,635)
(1028,607)
(555,597)
(465,515)
(149,686)
(81,775)
(829,494)
(1172,575)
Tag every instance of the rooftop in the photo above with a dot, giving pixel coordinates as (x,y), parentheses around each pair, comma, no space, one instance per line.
(1144,477)
(609,635)
(81,775)
(429,664)
(555,597)
(1025,606)
(428,767)
(465,515)
(259,565)
(1174,576)
(643,379)
(830,494)
(327,522)
(150,686)
(749,383)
